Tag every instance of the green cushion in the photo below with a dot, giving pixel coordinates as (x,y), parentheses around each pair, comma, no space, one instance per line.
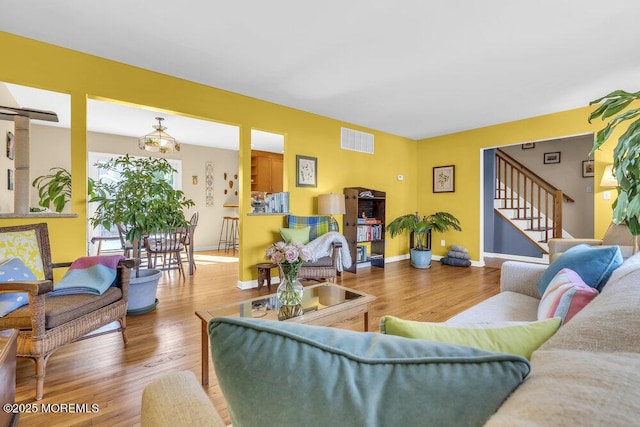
(519,338)
(289,374)
(295,235)
(593,264)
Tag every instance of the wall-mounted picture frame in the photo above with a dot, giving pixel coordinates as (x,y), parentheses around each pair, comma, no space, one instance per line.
(11,150)
(444,178)
(553,157)
(306,171)
(528,145)
(588,168)
(10,179)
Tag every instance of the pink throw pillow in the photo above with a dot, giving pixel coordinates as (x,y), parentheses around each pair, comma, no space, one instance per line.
(566,295)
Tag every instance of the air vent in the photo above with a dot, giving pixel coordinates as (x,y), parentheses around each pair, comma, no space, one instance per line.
(356,141)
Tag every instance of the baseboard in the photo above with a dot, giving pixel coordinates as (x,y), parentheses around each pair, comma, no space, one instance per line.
(433,258)
(536,260)
(253,284)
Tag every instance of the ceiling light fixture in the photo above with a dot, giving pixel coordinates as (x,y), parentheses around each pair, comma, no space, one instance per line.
(158,141)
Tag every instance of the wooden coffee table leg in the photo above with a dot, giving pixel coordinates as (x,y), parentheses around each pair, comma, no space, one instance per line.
(366,321)
(204,337)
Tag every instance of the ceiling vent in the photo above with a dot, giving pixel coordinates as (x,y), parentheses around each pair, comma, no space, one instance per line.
(356,141)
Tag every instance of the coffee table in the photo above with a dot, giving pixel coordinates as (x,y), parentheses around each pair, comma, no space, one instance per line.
(324,304)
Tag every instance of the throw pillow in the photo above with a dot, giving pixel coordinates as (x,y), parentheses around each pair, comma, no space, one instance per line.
(353,378)
(23,245)
(594,264)
(566,295)
(295,235)
(519,338)
(13,270)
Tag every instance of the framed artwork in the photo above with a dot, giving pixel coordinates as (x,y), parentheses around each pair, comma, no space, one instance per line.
(528,145)
(10,179)
(588,168)
(11,150)
(444,179)
(208,183)
(306,171)
(553,157)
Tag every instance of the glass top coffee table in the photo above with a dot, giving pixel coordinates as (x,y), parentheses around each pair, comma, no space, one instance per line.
(324,304)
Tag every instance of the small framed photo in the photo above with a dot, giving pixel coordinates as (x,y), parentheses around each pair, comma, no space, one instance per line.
(588,168)
(528,145)
(11,149)
(444,179)
(553,157)
(306,171)
(10,179)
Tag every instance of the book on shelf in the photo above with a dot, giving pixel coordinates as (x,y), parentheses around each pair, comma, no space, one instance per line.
(367,233)
(363,221)
(277,202)
(375,256)
(362,254)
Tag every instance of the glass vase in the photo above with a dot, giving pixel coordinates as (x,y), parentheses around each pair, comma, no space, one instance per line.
(289,295)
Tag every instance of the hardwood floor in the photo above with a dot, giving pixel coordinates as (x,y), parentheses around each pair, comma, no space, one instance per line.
(103,371)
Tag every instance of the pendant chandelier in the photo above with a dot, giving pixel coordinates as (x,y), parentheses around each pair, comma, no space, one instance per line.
(158,141)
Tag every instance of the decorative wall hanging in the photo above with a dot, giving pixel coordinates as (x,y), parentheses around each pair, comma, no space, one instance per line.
(552,157)
(208,178)
(10,179)
(444,179)
(306,171)
(588,168)
(11,151)
(528,145)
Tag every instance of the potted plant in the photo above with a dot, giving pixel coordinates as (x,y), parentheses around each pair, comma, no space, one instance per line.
(54,189)
(420,233)
(140,199)
(626,155)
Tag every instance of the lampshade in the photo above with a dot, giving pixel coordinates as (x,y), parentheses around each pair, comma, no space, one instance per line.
(158,140)
(331,204)
(608,178)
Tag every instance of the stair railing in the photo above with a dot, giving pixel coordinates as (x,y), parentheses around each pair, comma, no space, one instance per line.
(530,196)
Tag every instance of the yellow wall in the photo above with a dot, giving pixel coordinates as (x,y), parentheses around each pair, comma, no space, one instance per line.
(53,68)
(463,150)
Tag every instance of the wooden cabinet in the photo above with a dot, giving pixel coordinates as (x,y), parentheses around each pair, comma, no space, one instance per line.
(364,226)
(266,171)
(8,342)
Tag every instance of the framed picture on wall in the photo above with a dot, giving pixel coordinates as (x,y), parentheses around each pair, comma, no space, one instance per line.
(10,179)
(306,171)
(528,145)
(444,179)
(553,157)
(11,150)
(588,168)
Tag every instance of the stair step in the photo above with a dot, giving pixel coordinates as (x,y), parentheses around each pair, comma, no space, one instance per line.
(539,229)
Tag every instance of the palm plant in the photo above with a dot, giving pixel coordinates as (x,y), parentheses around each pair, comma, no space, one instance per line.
(421,228)
(626,154)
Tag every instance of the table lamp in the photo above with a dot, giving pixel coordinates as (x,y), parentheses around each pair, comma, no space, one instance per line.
(331,204)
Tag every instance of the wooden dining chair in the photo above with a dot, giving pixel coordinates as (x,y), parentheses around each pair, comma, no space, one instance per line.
(169,247)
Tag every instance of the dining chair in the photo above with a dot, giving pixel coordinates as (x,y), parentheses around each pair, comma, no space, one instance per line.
(168,246)
(188,243)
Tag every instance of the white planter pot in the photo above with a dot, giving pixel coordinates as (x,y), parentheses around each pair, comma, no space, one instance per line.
(142,291)
(420,259)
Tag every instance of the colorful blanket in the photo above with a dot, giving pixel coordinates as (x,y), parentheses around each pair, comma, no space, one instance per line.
(89,275)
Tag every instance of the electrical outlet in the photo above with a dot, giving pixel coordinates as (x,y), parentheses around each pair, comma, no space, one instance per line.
(442,243)
(606,195)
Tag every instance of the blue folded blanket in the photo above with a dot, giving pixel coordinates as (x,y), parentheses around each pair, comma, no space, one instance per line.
(457,254)
(89,275)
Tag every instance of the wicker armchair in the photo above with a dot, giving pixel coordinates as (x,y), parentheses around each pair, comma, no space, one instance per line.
(47,322)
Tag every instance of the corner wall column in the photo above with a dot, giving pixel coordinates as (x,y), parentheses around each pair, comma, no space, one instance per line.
(21,184)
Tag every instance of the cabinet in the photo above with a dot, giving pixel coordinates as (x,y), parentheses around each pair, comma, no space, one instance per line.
(8,343)
(364,226)
(266,171)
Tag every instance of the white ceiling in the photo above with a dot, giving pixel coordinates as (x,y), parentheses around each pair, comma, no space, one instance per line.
(413,68)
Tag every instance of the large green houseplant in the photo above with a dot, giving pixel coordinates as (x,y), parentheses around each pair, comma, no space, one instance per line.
(420,230)
(626,154)
(139,198)
(54,189)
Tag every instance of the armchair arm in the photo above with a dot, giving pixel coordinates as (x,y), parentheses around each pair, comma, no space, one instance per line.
(521,277)
(561,245)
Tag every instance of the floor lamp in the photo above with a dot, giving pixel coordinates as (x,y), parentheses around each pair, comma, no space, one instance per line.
(331,204)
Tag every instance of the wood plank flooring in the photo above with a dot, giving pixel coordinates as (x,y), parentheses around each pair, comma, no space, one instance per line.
(103,371)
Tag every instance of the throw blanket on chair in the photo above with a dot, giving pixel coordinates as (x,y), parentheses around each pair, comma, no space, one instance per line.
(321,246)
(89,275)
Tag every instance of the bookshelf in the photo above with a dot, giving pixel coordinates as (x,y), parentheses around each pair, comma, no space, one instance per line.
(364,223)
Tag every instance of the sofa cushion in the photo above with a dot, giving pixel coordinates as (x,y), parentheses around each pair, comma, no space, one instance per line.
(593,264)
(566,295)
(520,338)
(575,388)
(295,235)
(318,225)
(13,270)
(23,245)
(61,309)
(289,374)
(505,306)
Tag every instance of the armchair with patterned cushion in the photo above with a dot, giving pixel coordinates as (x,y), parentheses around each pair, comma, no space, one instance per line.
(330,248)
(48,322)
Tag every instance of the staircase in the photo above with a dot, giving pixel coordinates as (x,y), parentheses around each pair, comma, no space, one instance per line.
(528,202)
